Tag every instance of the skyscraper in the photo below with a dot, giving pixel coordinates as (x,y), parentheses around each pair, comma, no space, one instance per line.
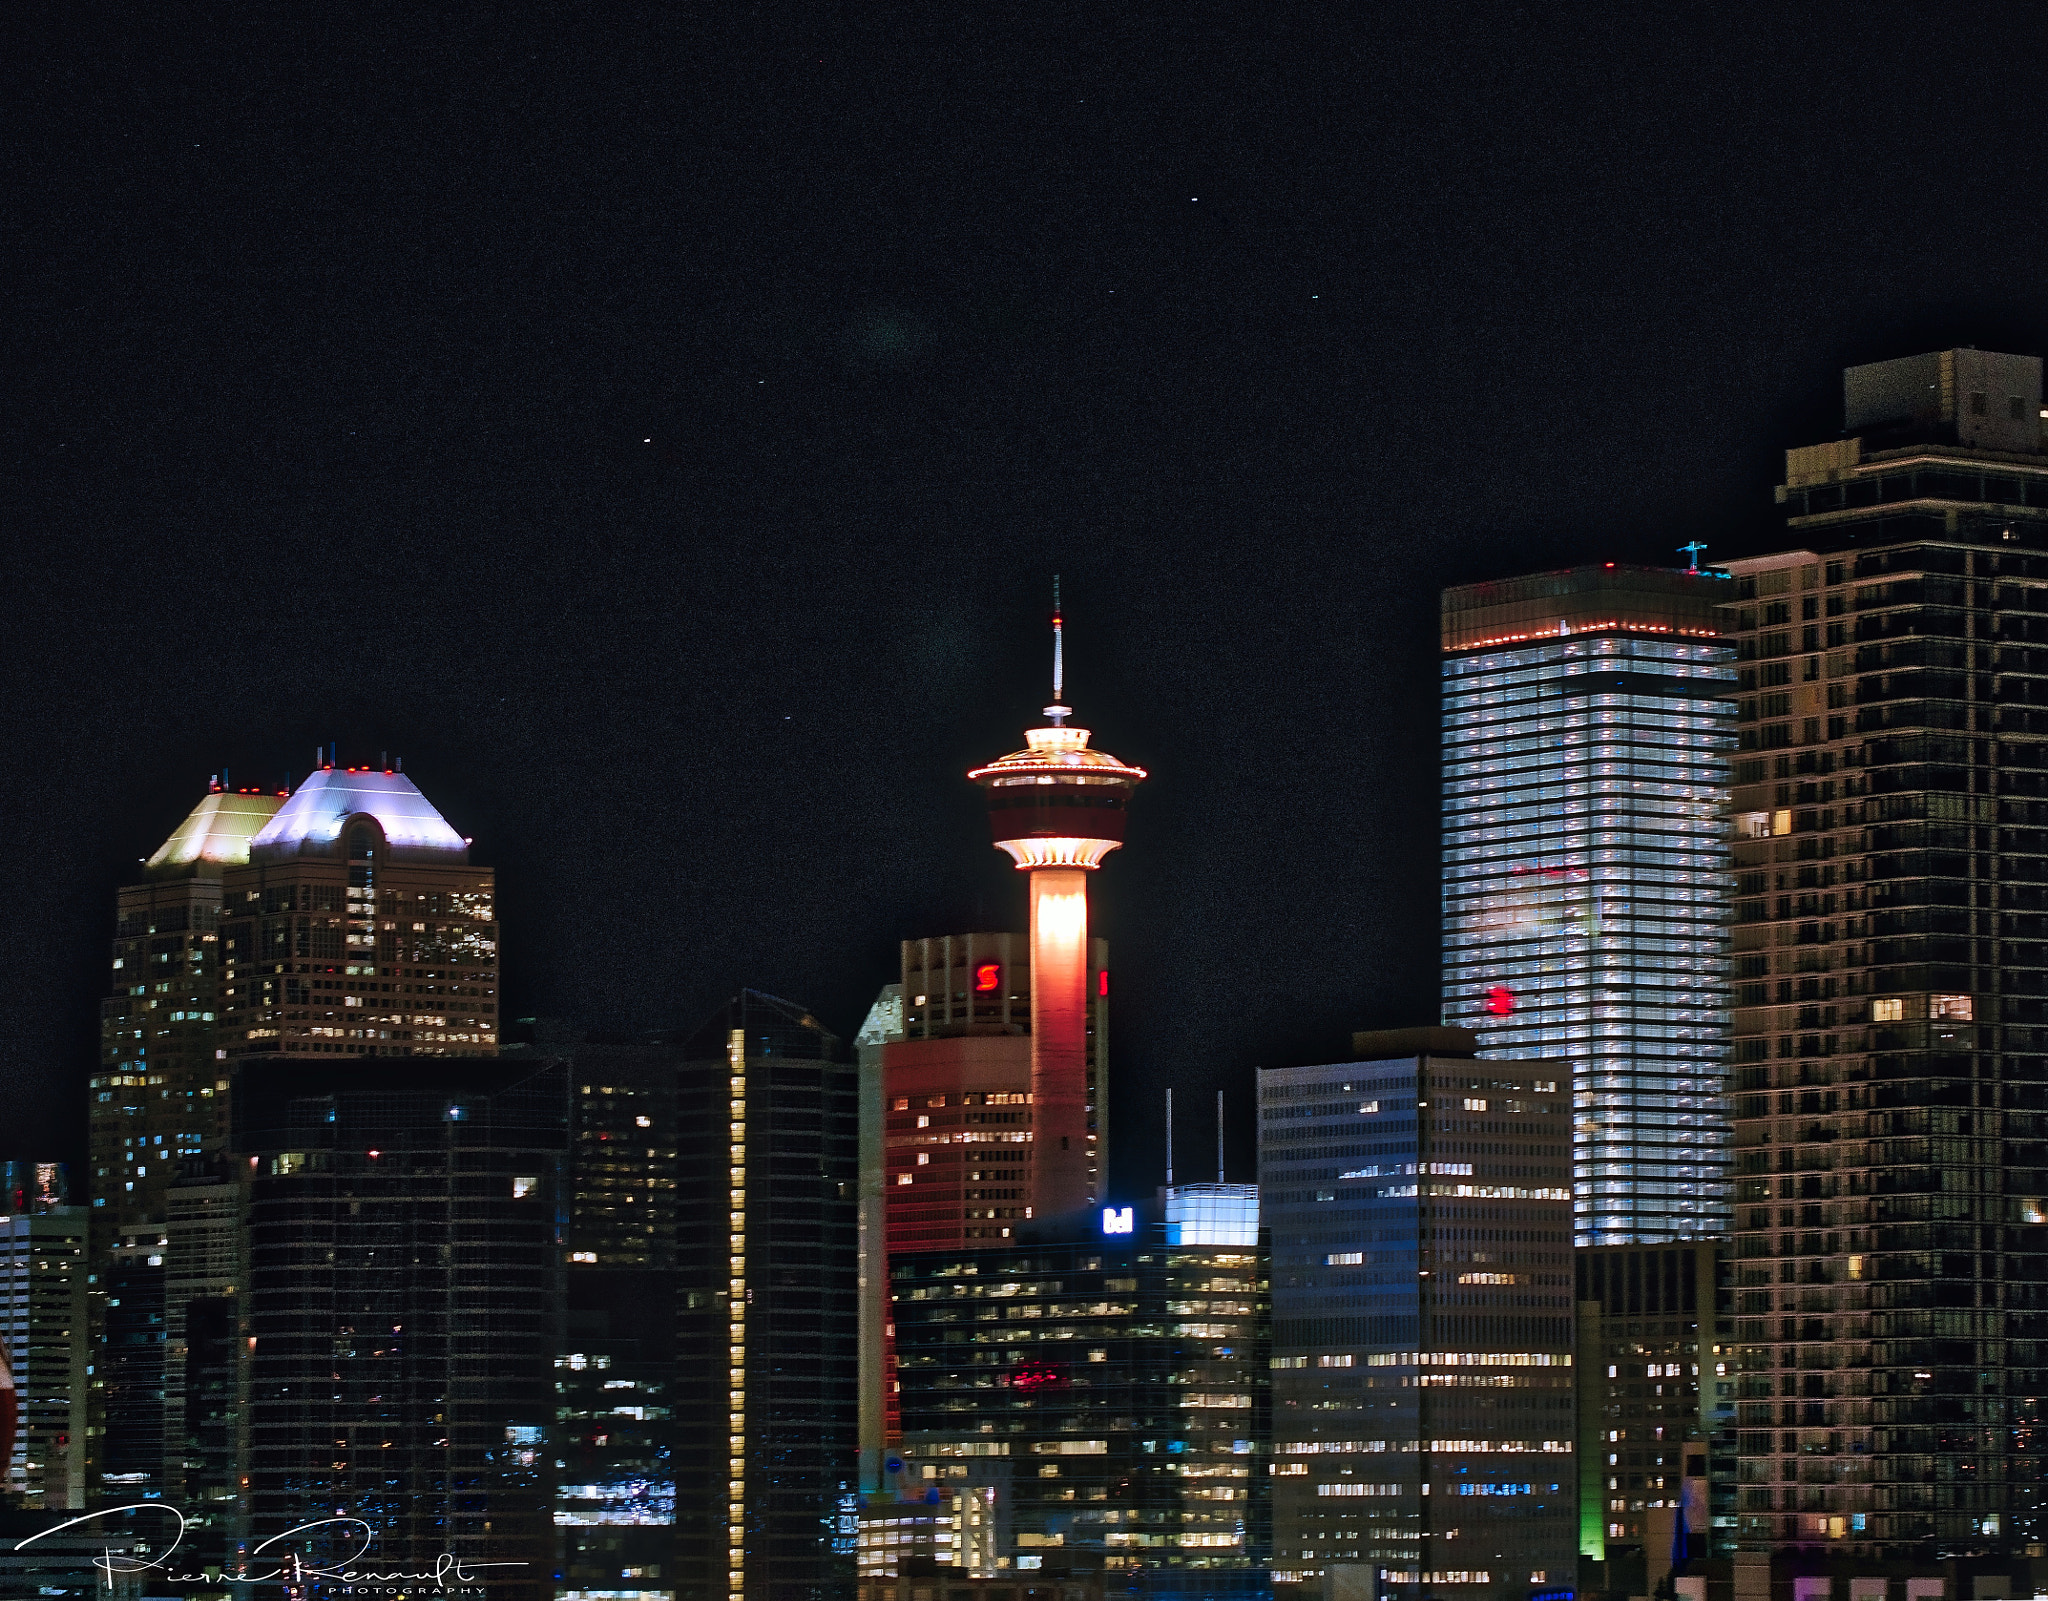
(404,1297)
(1419,1209)
(767,1269)
(156,1096)
(1587,727)
(43,1323)
(615,1440)
(359,927)
(1057,809)
(1891,1031)
(344,919)
(157,1102)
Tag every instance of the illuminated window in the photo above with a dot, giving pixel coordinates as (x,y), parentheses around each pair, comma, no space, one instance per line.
(1892,1010)
(1951,1008)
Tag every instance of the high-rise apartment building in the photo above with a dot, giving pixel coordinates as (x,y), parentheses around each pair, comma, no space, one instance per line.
(767,1269)
(43,1324)
(1891,951)
(1089,1400)
(1588,721)
(404,1304)
(1419,1213)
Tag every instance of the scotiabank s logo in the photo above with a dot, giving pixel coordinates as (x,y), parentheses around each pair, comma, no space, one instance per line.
(988,978)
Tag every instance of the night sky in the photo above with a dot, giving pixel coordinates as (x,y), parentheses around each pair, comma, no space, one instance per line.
(661,428)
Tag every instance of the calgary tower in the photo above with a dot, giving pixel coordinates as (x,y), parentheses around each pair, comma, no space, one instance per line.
(1058,808)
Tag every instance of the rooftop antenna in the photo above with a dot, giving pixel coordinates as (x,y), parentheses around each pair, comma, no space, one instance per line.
(1219,1136)
(1056,711)
(401,764)
(213,783)
(384,760)
(1693,551)
(1169,1136)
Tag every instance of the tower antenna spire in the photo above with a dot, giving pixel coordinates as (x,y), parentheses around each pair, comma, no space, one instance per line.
(1058,712)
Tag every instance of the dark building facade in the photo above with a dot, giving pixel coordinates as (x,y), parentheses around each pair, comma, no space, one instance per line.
(404,1295)
(615,1443)
(1890,1053)
(767,1267)
(1656,1386)
(1092,1401)
(1419,1209)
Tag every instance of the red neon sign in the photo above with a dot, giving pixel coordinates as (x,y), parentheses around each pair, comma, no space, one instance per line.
(1102,982)
(1500,1000)
(988,977)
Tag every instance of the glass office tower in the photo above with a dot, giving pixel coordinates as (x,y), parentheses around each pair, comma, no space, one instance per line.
(1588,720)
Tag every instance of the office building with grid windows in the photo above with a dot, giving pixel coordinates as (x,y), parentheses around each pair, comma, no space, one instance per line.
(43,1324)
(1588,719)
(1418,1207)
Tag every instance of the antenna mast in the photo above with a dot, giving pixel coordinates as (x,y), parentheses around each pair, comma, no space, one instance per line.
(1169,1136)
(1056,711)
(1219,1136)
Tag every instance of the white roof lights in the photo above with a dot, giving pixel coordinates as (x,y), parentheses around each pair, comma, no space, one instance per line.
(313,818)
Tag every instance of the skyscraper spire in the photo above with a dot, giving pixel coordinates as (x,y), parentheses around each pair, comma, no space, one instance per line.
(1056,711)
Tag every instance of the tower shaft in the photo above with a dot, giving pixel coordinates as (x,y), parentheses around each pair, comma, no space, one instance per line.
(1062,1177)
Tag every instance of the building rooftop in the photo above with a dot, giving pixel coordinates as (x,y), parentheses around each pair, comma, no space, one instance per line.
(217,831)
(768,1026)
(310,823)
(1607,598)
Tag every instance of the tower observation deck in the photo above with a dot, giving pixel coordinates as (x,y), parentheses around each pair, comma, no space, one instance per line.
(1057,808)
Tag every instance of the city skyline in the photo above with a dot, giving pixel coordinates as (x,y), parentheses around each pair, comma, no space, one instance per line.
(641,528)
(1550,507)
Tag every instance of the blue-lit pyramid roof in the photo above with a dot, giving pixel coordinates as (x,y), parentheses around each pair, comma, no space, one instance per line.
(310,823)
